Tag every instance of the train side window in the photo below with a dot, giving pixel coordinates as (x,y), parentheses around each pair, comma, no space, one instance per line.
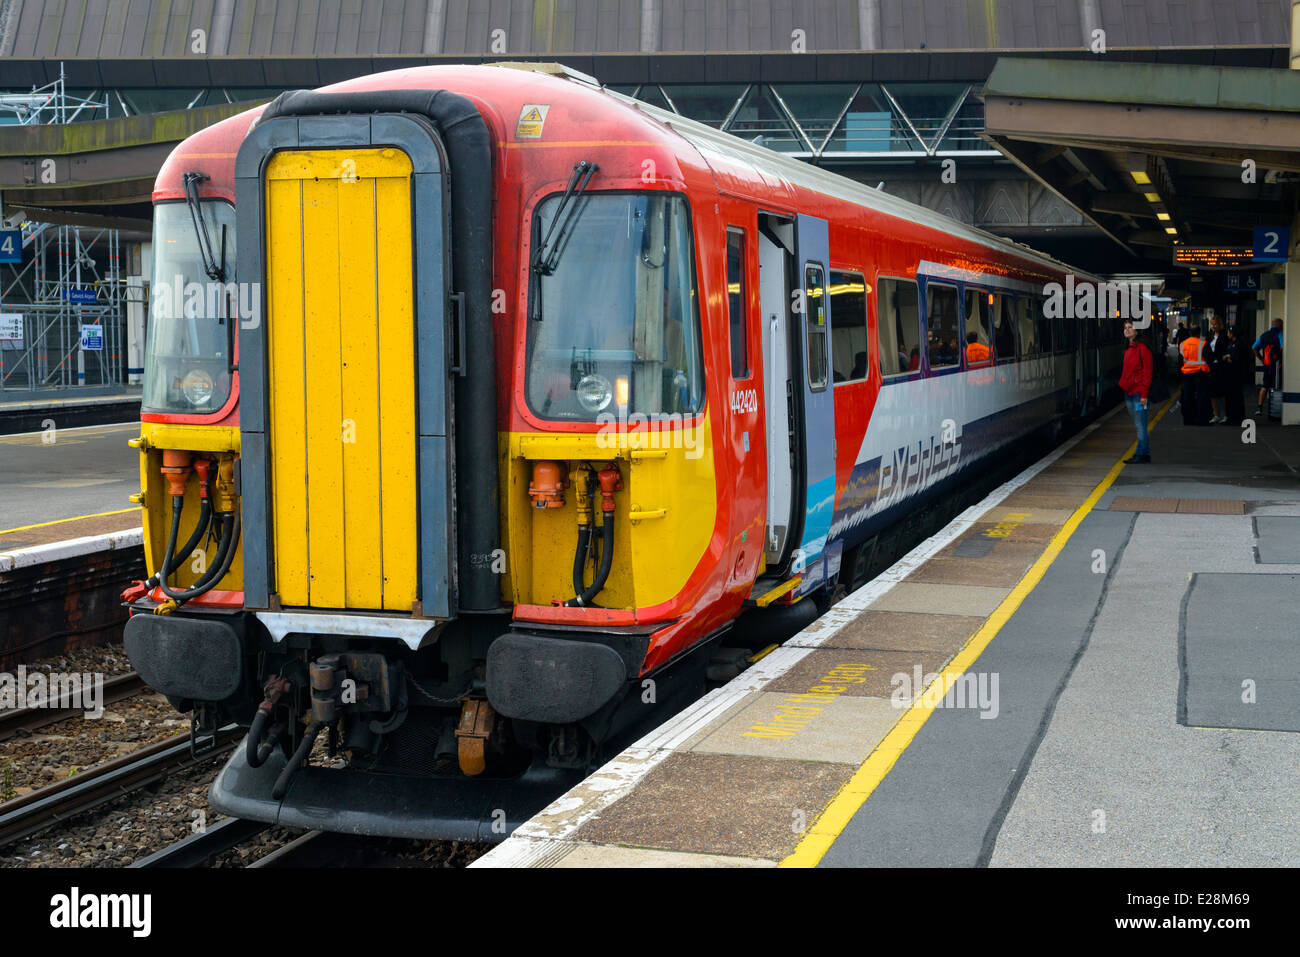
(849,329)
(1004,340)
(737,303)
(1025,326)
(816,321)
(941,322)
(979,328)
(1061,334)
(898,326)
(1045,342)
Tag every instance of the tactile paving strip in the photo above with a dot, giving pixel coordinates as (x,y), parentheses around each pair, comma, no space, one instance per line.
(1211,506)
(1183,506)
(1128,504)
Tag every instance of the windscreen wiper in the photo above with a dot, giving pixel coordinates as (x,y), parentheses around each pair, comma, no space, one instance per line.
(215,268)
(547,255)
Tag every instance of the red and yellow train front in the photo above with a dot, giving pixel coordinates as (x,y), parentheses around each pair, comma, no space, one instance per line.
(437,467)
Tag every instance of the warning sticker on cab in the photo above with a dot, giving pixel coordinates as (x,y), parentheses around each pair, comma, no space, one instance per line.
(531,120)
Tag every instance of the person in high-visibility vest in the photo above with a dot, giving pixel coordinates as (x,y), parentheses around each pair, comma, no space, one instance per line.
(1196,379)
(977,353)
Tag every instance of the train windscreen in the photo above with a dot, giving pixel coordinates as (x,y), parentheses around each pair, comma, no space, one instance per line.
(614,326)
(190,336)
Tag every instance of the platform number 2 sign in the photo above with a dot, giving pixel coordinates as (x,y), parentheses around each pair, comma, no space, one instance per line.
(1272,244)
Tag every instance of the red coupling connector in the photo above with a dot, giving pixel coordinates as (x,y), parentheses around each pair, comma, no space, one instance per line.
(610,482)
(275,688)
(549,481)
(203,469)
(135,591)
(176,470)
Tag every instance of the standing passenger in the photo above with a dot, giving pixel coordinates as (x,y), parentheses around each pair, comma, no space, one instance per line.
(1135,381)
(1218,353)
(1269,349)
(1241,374)
(1196,375)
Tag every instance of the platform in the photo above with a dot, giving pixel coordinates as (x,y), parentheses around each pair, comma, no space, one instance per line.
(24,411)
(1117,684)
(67,484)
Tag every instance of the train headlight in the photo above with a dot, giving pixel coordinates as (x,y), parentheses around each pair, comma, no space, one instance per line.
(197,386)
(594,393)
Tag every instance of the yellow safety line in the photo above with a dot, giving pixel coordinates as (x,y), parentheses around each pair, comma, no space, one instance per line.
(60,521)
(836,816)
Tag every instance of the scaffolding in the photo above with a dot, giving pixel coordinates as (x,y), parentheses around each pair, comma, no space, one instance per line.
(70,300)
(63,306)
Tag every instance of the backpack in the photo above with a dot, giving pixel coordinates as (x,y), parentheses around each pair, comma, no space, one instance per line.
(1271,351)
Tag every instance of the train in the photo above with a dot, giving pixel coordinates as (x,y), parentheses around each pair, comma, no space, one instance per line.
(482,404)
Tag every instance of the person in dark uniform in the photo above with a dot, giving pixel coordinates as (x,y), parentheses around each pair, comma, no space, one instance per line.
(1240,363)
(1218,353)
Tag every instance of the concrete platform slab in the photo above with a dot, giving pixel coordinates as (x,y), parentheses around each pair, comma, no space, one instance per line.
(1004,572)
(836,729)
(1030,516)
(1068,501)
(856,673)
(1014,531)
(905,631)
(720,804)
(603,855)
(1061,483)
(1239,654)
(1278,539)
(965,600)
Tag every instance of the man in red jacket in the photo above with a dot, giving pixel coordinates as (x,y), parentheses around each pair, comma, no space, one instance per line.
(1135,381)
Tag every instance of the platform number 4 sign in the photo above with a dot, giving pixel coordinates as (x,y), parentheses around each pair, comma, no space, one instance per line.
(11,246)
(1272,244)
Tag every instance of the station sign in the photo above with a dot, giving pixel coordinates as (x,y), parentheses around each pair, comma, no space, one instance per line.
(11,327)
(1213,257)
(92,338)
(11,246)
(1272,244)
(1242,282)
(82,297)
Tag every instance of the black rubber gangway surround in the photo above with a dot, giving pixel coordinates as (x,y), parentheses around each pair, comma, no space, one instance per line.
(469,155)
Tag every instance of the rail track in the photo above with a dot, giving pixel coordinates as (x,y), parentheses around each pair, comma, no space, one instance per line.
(19,720)
(30,813)
(198,849)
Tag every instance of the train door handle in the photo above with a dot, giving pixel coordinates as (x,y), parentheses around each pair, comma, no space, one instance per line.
(457,300)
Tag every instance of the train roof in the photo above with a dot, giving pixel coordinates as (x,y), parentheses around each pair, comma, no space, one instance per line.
(511,82)
(823,181)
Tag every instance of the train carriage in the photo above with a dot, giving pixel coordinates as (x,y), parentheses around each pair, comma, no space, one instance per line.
(481,403)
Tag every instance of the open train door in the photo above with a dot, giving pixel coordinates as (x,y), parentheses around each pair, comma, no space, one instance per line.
(798,402)
(813,332)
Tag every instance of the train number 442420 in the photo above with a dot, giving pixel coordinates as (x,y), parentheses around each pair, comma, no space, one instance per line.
(744,400)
